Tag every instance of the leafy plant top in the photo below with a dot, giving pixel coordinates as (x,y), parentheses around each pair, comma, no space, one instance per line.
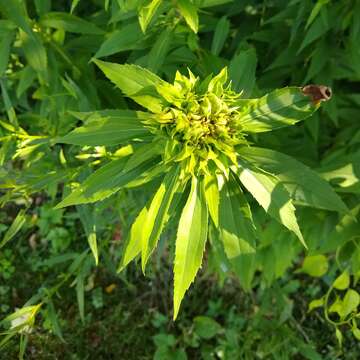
(195,137)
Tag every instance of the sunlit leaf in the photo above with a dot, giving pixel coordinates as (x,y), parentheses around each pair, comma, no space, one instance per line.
(190,241)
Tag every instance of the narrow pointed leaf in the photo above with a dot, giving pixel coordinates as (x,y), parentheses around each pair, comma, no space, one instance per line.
(158,214)
(128,37)
(106,181)
(271,195)
(303,184)
(108,127)
(134,243)
(135,82)
(157,54)
(189,11)
(236,226)
(147,12)
(212,197)
(190,241)
(14,228)
(70,23)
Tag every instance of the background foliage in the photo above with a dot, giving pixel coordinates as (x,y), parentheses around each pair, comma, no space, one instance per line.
(47,254)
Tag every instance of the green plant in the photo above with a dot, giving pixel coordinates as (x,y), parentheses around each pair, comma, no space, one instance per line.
(49,86)
(196,132)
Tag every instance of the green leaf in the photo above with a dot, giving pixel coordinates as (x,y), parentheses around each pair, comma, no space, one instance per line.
(5,46)
(80,293)
(127,38)
(107,127)
(134,244)
(210,3)
(316,304)
(87,218)
(147,12)
(242,69)
(35,54)
(315,265)
(54,319)
(69,23)
(159,51)
(189,11)
(350,303)
(236,226)
(315,11)
(278,109)
(220,35)
(157,214)
(304,185)
(212,196)
(106,181)
(15,10)
(318,28)
(339,336)
(342,282)
(14,228)
(206,327)
(271,195)
(74,4)
(190,241)
(237,231)
(135,82)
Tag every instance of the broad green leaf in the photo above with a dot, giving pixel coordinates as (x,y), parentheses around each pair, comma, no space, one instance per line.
(206,327)
(345,171)
(69,23)
(106,181)
(14,228)
(134,243)
(212,196)
(147,12)
(126,38)
(159,51)
(190,241)
(339,336)
(237,231)
(35,54)
(271,195)
(242,71)
(342,282)
(15,10)
(316,304)
(220,35)
(189,11)
(157,214)
(277,109)
(303,184)
(236,226)
(135,82)
(350,303)
(315,265)
(107,127)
